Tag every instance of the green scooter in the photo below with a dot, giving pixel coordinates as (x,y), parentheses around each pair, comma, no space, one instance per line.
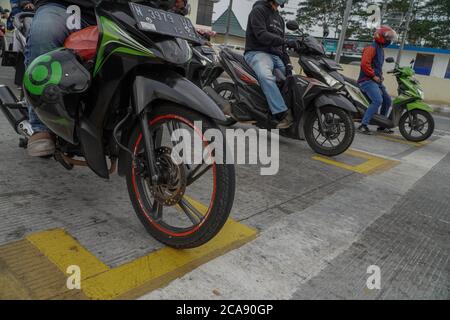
(409,112)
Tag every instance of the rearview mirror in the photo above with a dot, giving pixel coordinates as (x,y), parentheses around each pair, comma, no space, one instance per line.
(390,60)
(292,25)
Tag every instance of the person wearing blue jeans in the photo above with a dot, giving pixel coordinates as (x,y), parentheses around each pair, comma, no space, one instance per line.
(265,51)
(48,32)
(371,78)
(264,65)
(378,96)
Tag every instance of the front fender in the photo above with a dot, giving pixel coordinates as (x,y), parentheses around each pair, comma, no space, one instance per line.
(170,86)
(336,100)
(419,105)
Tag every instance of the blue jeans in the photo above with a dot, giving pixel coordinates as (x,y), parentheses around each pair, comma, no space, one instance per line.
(264,64)
(378,97)
(48,32)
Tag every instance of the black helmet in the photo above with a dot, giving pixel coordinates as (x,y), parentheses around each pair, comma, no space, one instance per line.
(51,84)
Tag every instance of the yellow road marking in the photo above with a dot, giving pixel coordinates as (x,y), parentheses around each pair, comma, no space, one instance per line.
(402,140)
(159,268)
(372,165)
(143,274)
(25,273)
(63,250)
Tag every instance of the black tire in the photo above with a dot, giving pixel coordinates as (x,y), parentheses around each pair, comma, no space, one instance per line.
(406,130)
(223,189)
(222,89)
(311,131)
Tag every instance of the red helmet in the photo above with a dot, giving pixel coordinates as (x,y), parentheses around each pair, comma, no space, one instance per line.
(385,35)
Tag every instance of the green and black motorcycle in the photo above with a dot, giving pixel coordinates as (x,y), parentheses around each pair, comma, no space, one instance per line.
(124,99)
(409,112)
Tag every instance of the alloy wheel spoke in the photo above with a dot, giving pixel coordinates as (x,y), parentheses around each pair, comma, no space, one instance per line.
(332,145)
(172,127)
(191,212)
(157,210)
(157,137)
(197,173)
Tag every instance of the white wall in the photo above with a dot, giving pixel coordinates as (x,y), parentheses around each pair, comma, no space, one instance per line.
(440,62)
(407,56)
(440,65)
(194,9)
(193,15)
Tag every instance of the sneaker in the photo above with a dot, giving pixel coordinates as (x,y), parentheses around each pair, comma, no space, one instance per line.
(364,129)
(385,130)
(287,121)
(41,144)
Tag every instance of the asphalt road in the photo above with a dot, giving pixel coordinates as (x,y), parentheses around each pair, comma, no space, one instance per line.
(322,222)
(442,123)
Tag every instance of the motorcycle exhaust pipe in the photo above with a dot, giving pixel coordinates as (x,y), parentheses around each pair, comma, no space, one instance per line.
(14,111)
(223,104)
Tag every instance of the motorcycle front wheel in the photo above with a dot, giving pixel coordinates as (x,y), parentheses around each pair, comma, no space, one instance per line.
(194,202)
(416,125)
(338,134)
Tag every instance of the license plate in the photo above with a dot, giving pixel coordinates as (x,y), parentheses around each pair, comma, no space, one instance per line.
(153,20)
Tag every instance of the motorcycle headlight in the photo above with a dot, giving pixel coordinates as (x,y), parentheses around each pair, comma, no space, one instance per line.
(332,82)
(421,93)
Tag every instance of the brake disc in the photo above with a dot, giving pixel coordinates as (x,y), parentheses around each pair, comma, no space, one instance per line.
(172,191)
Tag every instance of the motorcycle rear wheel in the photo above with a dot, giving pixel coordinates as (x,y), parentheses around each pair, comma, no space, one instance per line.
(191,210)
(226,91)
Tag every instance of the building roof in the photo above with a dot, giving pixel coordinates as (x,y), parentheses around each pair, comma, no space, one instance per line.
(220,25)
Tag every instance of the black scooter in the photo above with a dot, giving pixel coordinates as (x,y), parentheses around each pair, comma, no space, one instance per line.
(320,113)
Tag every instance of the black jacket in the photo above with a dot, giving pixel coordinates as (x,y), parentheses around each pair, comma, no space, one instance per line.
(265,30)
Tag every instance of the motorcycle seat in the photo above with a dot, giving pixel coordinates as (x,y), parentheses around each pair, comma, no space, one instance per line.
(239,58)
(84,42)
(351,81)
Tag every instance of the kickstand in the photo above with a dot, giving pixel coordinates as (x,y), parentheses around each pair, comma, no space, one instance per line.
(59,157)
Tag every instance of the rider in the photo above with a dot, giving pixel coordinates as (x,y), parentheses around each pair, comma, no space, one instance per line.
(371,77)
(265,51)
(49,29)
